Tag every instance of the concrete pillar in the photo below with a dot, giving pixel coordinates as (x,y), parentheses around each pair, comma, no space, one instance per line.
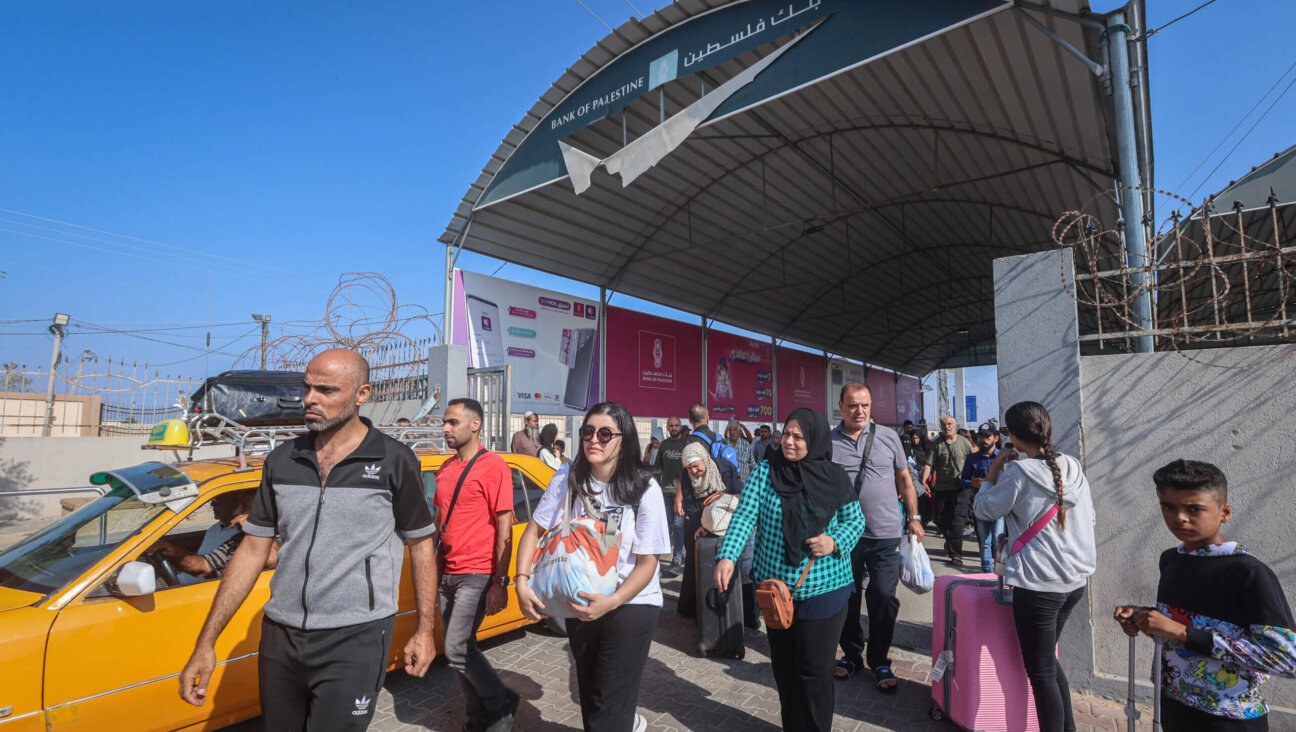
(1038,339)
(448,369)
(1039,360)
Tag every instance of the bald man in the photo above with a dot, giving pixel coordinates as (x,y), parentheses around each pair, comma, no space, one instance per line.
(328,624)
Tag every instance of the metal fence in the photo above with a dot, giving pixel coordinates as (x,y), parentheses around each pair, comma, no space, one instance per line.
(491,387)
(92,396)
(1213,279)
(396,372)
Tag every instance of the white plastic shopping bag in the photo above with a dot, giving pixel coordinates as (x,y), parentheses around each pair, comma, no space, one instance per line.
(915,568)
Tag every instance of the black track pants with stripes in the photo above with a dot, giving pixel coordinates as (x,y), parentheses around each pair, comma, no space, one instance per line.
(322,680)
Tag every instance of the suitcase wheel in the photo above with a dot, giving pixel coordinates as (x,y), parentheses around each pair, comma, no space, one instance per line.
(936,713)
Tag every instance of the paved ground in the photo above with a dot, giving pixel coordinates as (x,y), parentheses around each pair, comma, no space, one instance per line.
(684,692)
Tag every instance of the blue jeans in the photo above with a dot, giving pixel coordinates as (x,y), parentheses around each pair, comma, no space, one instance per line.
(988,532)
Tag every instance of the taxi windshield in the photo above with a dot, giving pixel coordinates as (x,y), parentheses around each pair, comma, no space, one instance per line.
(54,556)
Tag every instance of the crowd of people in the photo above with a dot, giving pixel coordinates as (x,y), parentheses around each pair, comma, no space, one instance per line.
(820,507)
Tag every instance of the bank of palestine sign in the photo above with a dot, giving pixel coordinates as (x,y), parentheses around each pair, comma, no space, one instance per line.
(829,35)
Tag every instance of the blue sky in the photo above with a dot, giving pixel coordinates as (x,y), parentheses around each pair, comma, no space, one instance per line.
(275,146)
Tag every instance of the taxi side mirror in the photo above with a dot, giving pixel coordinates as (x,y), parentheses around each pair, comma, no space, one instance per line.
(135,579)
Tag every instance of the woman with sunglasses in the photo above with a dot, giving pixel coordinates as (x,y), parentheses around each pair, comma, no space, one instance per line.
(803,508)
(610,636)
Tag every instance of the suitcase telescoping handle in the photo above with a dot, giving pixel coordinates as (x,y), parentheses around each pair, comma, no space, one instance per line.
(1156,687)
(1131,712)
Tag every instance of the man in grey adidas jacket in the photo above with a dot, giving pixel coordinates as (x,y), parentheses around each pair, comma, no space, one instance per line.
(343,498)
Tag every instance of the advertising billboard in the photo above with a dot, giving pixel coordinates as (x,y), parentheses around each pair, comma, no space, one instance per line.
(654,364)
(909,403)
(740,377)
(802,381)
(549,338)
(882,385)
(840,373)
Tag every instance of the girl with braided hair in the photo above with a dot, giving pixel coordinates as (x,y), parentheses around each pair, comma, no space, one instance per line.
(1044,496)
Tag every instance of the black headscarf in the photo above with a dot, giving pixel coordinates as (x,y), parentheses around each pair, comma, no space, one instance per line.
(811,489)
(547,436)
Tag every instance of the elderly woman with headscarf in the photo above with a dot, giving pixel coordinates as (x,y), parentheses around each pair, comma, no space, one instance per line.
(547,453)
(803,509)
(707,476)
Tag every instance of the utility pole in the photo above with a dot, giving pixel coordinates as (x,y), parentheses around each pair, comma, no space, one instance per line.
(60,320)
(1131,192)
(942,394)
(264,320)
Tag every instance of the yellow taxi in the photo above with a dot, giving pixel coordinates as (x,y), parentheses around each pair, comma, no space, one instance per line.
(83,651)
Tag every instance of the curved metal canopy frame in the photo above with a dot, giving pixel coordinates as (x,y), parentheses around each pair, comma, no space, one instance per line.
(1025,129)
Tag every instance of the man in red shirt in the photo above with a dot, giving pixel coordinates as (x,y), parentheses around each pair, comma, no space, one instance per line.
(474,502)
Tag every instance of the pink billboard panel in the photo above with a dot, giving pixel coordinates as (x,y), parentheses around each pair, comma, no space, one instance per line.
(909,403)
(740,377)
(882,385)
(801,381)
(654,364)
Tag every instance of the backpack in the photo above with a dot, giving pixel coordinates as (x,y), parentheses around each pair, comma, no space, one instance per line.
(719,450)
(576,555)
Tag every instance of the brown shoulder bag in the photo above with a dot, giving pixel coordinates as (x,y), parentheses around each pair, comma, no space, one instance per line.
(775,599)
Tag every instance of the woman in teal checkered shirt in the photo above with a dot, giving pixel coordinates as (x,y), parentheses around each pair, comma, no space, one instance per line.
(803,508)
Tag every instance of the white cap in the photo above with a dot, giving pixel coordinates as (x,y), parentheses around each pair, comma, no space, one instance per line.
(528,415)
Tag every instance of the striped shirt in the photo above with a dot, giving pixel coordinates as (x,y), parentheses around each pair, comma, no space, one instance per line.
(746,461)
(218,559)
(761,511)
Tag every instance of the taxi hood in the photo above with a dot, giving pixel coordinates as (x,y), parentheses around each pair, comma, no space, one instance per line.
(10,599)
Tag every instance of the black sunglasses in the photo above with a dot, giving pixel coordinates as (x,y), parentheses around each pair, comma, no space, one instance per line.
(605,435)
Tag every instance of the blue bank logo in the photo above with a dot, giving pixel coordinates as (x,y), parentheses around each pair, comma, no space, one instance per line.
(663,69)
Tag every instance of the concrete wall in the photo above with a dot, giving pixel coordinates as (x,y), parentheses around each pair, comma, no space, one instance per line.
(1128,414)
(61,462)
(1231,407)
(1039,340)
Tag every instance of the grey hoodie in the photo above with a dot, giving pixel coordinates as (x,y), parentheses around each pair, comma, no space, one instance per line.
(1055,560)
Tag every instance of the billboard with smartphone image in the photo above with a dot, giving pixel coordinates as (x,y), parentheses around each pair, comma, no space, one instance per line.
(550,339)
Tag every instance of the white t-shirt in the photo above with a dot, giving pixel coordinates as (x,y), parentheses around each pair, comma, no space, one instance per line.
(651,534)
(549,459)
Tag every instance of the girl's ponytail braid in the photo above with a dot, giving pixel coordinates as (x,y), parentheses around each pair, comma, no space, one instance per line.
(1050,456)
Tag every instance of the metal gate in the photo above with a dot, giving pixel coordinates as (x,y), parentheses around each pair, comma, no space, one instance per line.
(491,387)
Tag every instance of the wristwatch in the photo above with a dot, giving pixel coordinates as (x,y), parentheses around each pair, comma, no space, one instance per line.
(503,581)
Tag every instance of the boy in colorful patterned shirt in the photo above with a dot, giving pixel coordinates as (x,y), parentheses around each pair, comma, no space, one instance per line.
(1222,612)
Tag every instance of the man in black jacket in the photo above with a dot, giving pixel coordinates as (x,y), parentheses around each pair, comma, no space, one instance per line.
(324,646)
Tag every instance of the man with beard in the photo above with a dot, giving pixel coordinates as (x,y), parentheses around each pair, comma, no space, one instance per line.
(526,441)
(324,646)
(952,501)
(474,501)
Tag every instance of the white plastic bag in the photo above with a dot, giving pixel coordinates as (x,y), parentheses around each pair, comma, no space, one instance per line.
(915,568)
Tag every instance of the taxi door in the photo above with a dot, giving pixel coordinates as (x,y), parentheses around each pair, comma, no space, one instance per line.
(526,494)
(114,663)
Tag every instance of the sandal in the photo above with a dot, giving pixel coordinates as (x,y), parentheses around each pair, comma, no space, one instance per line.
(883,674)
(845,669)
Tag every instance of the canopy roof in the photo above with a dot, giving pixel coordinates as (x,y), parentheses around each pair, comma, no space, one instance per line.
(850,197)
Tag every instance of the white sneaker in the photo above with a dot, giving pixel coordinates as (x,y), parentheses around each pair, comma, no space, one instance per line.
(640,724)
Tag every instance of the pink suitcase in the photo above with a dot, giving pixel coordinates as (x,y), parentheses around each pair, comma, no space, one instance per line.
(978,678)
